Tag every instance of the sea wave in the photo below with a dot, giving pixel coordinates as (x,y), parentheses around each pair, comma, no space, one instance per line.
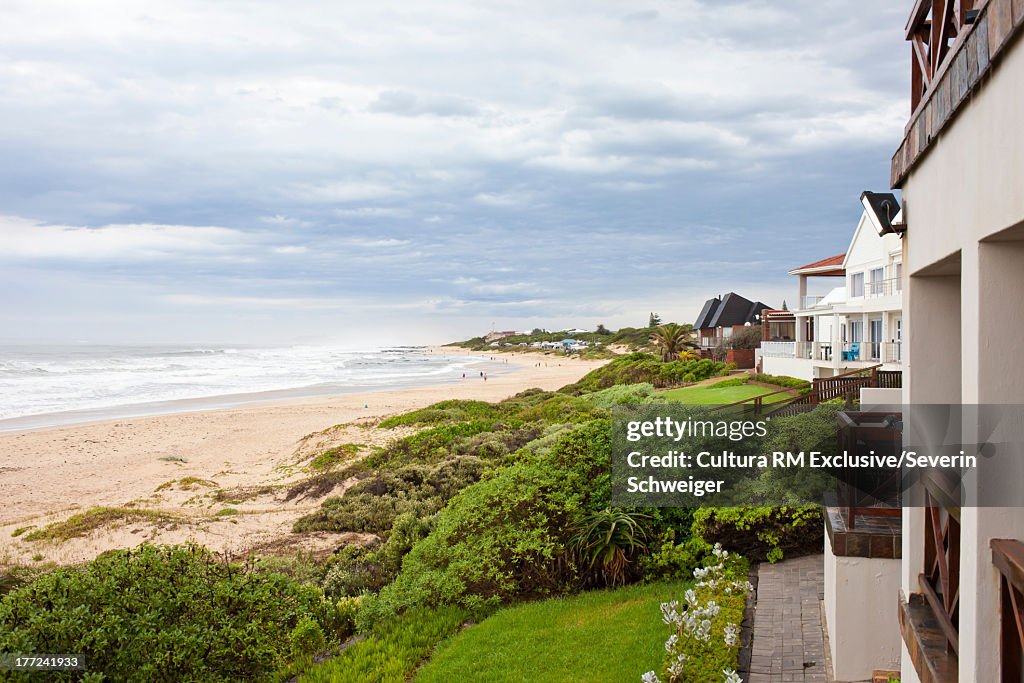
(47,381)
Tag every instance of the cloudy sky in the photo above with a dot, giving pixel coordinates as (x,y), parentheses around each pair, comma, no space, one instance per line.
(414,171)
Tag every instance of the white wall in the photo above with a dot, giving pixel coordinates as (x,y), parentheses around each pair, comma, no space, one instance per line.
(967,189)
(800,368)
(864,592)
(880,397)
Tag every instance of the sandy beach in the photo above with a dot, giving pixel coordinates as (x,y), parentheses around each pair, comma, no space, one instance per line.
(218,477)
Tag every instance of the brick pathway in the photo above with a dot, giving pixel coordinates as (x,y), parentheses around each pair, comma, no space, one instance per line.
(788,640)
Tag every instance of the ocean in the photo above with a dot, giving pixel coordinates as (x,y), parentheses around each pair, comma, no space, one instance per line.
(44,386)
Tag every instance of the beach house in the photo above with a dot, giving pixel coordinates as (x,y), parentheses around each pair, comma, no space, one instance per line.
(721,316)
(855,319)
(960,166)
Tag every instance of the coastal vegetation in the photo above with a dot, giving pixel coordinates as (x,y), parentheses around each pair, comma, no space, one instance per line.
(474,521)
(628,338)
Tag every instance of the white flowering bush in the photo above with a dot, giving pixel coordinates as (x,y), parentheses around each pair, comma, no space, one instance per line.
(704,639)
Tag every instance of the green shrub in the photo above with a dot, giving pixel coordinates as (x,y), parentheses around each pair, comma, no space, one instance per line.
(427,445)
(307,638)
(454,410)
(704,623)
(672,557)
(625,395)
(506,535)
(335,456)
(374,502)
(762,533)
(781,381)
(734,382)
(167,613)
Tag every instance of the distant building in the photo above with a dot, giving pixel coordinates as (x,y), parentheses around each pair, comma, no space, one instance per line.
(495,336)
(857,324)
(720,317)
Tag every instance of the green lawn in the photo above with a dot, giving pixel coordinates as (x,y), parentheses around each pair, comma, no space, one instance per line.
(714,395)
(597,636)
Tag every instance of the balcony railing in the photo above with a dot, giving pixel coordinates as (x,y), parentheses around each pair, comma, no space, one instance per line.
(892,352)
(1008,557)
(940,580)
(777,349)
(811,301)
(880,288)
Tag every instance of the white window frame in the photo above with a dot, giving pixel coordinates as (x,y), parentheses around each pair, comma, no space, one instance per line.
(856,285)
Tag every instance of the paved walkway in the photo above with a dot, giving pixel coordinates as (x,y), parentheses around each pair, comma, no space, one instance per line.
(788,640)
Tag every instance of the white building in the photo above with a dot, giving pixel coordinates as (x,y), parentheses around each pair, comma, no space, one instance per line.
(957,600)
(857,324)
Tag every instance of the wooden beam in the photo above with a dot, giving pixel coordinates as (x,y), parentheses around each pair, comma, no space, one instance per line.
(943,620)
(917,15)
(944,26)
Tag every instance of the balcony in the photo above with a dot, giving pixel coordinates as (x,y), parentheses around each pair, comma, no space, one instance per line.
(883,288)
(778,349)
(954,45)
(1008,557)
(811,301)
(892,352)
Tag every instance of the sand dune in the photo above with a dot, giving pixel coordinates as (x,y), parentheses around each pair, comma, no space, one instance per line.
(180,472)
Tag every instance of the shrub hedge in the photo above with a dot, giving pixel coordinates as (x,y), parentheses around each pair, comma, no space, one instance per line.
(169,613)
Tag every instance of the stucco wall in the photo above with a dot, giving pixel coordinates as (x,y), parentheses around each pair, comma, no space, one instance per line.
(863,592)
(965,315)
(791,367)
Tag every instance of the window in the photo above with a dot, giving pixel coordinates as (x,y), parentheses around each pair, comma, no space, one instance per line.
(897,273)
(857,284)
(875,345)
(877,281)
(856,331)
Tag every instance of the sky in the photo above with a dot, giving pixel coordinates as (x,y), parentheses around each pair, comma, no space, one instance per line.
(418,171)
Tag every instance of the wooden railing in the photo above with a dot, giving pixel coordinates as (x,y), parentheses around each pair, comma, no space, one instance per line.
(823,389)
(933,27)
(940,580)
(846,385)
(889,379)
(1008,557)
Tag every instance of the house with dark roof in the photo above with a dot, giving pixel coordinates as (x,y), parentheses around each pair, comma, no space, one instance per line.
(721,316)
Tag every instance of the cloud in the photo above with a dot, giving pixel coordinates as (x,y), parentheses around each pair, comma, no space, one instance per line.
(406,103)
(477,159)
(645,15)
(504,199)
(30,239)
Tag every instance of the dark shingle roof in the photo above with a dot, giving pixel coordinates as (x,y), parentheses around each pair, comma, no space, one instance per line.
(732,309)
(710,306)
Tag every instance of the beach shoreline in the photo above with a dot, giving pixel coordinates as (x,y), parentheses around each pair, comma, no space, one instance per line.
(133,463)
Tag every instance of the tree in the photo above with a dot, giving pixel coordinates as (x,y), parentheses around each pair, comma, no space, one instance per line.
(747,338)
(654,320)
(671,339)
(537,331)
(601,329)
(784,306)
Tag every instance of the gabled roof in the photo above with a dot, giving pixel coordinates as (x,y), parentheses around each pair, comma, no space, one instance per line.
(710,306)
(732,309)
(833,265)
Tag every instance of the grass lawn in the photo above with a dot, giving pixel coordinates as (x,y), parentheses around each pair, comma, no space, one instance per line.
(713,394)
(597,636)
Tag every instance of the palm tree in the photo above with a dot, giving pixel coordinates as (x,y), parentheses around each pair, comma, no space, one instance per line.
(671,339)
